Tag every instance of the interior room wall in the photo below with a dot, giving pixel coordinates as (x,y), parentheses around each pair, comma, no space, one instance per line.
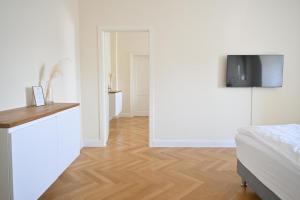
(189,43)
(129,42)
(114,61)
(107,54)
(36,33)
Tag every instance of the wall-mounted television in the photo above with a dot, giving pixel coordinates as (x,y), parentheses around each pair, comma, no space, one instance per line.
(254,70)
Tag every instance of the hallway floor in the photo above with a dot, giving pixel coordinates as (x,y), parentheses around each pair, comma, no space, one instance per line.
(127,169)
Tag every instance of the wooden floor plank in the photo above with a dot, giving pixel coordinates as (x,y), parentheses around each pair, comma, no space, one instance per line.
(128,169)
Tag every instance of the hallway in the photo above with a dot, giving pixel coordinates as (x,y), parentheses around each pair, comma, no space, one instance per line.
(127,169)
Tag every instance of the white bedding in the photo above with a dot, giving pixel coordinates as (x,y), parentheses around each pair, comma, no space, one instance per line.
(271,153)
(284,139)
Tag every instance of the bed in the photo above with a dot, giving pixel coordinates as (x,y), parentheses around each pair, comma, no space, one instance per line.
(268,160)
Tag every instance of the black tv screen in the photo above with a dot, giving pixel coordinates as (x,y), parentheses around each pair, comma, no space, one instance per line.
(254,71)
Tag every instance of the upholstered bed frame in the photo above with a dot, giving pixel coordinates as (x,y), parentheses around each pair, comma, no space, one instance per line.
(248,179)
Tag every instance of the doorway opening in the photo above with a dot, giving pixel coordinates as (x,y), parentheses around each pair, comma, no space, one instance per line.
(124,84)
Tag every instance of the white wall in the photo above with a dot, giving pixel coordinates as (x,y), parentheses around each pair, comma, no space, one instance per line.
(190,41)
(128,42)
(114,60)
(107,53)
(34,32)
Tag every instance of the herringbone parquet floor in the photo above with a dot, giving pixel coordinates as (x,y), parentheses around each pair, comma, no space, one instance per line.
(127,169)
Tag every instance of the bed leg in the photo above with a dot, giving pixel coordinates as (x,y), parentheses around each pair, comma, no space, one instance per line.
(244,183)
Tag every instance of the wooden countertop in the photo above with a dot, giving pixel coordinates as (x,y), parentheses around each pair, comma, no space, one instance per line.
(114,91)
(18,116)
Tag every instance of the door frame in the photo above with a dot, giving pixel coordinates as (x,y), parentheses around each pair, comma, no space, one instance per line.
(103,101)
(132,80)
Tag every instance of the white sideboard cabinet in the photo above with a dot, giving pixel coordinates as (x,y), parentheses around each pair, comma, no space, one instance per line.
(36,145)
(115,103)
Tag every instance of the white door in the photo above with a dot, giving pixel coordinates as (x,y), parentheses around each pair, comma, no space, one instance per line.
(140,85)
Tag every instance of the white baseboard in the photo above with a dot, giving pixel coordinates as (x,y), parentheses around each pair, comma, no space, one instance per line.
(125,115)
(174,143)
(93,143)
(193,143)
(141,113)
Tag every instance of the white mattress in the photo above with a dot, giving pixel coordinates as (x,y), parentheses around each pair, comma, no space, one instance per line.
(271,154)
